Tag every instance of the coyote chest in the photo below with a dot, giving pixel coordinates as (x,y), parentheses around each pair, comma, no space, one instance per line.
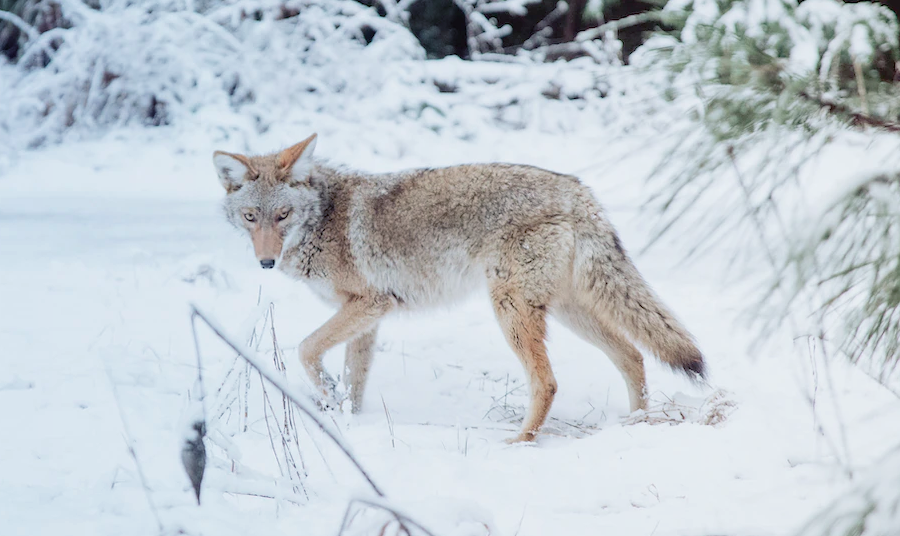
(317,262)
(324,289)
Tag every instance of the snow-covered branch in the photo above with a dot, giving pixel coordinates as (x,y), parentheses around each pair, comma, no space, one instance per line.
(17,21)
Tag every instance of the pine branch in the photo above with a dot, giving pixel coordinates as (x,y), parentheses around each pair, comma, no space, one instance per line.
(856,117)
(624,22)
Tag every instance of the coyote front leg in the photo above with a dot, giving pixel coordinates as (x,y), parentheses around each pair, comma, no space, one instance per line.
(356,366)
(356,316)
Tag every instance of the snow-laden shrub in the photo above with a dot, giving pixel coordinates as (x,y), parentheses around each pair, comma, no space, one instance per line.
(157,62)
(21,20)
(246,66)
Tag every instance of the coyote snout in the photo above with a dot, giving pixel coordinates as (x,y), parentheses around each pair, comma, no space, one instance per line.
(267,243)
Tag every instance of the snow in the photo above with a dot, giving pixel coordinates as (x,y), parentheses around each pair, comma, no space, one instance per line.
(875,499)
(104,243)
(107,240)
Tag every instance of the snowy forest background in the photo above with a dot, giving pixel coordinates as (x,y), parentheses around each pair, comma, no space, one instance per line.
(749,144)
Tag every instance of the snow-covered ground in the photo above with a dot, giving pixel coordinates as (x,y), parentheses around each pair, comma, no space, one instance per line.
(103,244)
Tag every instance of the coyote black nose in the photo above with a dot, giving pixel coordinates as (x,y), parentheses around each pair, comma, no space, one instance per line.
(267,263)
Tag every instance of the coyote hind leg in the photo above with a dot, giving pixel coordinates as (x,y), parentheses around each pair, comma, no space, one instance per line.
(528,273)
(525,327)
(613,343)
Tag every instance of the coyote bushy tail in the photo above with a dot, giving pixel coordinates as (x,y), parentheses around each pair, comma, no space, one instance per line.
(607,281)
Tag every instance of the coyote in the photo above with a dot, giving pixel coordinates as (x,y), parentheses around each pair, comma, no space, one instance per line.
(372,244)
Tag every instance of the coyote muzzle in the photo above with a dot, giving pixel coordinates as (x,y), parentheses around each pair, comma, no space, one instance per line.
(267,243)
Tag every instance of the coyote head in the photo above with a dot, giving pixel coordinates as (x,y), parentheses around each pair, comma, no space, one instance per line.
(270,196)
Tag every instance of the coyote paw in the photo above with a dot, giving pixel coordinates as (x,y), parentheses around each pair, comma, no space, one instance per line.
(523,437)
(327,404)
(329,399)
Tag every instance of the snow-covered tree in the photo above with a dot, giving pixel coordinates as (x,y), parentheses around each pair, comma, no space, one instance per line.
(774,90)
(772,86)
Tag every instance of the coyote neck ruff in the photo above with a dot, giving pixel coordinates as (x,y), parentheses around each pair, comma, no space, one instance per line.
(373,244)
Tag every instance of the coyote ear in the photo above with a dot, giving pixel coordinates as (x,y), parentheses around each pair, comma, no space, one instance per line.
(233,169)
(298,159)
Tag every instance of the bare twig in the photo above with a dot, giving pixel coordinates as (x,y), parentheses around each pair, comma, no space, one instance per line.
(278,381)
(861,84)
(129,442)
(289,426)
(624,22)
(837,408)
(404,520)
(856,117)
(390,421)
(267,402)
(275,376)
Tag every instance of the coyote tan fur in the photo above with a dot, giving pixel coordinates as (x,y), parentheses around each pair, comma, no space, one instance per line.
(373,244)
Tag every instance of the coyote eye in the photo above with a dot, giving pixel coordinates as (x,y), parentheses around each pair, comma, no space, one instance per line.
(284,215)
(249,217)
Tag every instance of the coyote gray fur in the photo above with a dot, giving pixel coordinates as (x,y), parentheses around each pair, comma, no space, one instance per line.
(372,244)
